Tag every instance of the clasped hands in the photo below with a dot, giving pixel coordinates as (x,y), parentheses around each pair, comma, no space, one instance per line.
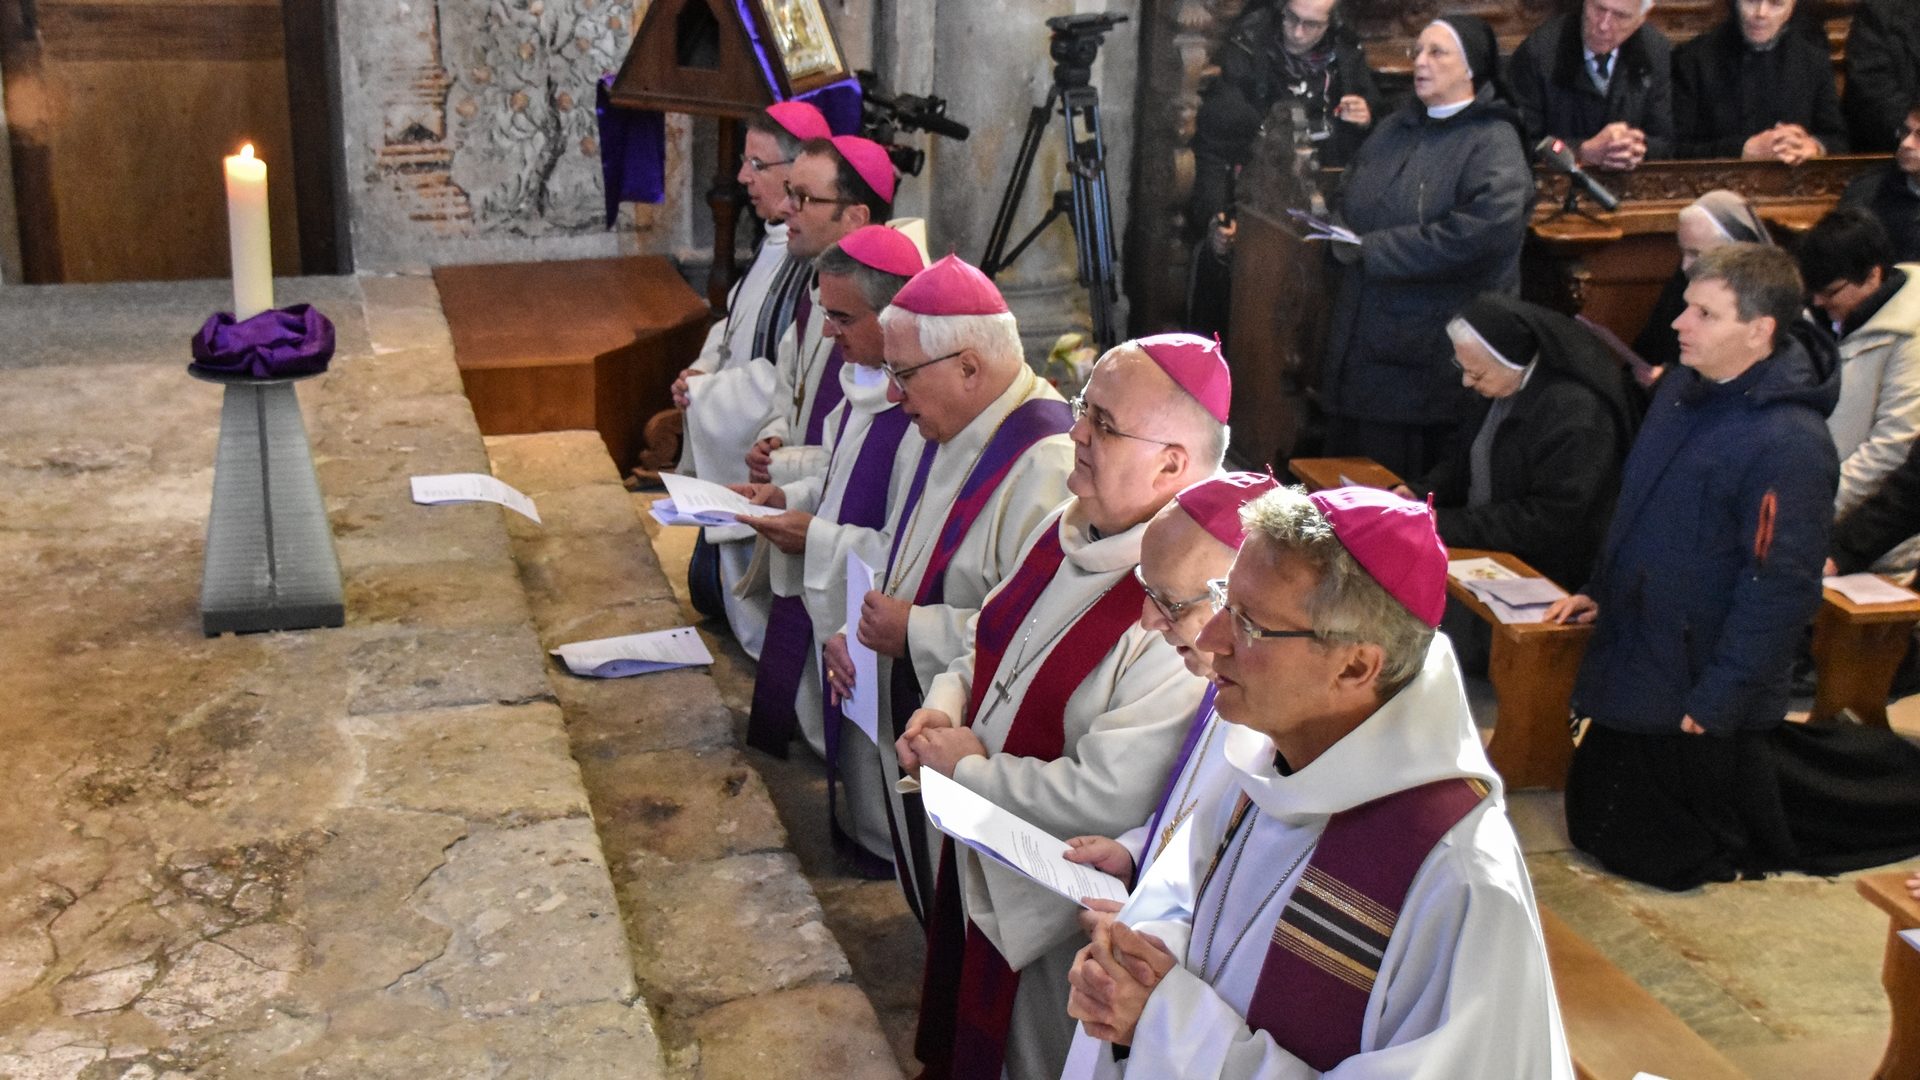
(1617,147)
(934,741)
(1112,977)
(1787,143)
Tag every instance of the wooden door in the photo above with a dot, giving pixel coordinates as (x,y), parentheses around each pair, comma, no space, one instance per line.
(119,112)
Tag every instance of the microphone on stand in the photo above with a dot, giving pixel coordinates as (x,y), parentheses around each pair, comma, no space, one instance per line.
(1554,154)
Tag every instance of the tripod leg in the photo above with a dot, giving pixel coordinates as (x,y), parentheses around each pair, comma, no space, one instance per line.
(1092,212)
(996,258)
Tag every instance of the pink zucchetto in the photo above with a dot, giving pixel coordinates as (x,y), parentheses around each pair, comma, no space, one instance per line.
(1214,503)
(1395,541)
(951,287)
(1197,365)
(870,160)
(883,248)
(801,120)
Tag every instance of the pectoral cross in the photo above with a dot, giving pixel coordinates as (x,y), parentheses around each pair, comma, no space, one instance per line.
(1166,834)
(1000,687)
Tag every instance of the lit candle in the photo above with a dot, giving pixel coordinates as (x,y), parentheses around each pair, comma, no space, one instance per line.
(247,233)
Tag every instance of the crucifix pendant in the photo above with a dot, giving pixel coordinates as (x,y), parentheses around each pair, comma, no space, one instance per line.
(1166,834)
(1000,687)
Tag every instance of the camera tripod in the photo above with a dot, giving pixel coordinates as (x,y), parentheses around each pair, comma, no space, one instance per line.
(1076,42)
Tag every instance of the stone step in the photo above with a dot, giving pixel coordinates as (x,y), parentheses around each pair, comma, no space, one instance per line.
(730,947)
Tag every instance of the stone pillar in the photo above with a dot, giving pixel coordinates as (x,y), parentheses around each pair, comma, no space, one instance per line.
(989,59)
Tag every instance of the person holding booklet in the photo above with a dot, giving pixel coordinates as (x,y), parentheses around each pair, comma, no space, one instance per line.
(871,451)
(1355,902)
(1064,711)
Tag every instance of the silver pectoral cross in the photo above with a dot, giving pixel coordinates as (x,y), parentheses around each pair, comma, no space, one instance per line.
(1000,687)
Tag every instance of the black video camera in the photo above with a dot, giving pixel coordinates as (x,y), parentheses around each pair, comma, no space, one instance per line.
(884,118)
(1076,43)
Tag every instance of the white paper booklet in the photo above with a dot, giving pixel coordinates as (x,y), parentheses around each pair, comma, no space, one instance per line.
(1314,228)
(999,835)
(666,513)
(635,654)
(1869,589)
(692,495)
(1518,599)
(471,487)
(1466,571)
(863,707)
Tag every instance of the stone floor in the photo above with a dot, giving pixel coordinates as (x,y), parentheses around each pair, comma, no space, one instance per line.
(1782,975)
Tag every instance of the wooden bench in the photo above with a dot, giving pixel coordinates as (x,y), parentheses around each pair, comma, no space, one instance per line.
(1856,651)
(1616,1029)
(1532,665)
(1899,972)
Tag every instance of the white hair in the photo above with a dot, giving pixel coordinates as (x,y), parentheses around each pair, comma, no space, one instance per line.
(994,338)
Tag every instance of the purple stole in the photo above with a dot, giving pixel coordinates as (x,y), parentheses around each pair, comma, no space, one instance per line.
(1200,717)
(1028,423)
(1326,949)
(828,394)
(966,998)
(789,641)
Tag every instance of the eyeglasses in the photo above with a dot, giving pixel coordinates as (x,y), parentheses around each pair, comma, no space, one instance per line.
(802,200)
(901,375)
(1294,22)
(1171,609)
(1243,626)
(1103,425)
(759,166)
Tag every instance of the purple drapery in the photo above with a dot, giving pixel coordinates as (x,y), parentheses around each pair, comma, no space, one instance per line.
(633,142)
(274,344)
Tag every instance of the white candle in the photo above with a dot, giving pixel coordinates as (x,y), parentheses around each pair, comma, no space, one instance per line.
(248,235)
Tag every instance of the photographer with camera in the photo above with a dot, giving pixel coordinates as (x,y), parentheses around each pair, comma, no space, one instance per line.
(1299,52)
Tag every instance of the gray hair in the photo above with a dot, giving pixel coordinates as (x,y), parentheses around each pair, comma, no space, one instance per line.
(994,338)
(1347,606)
(877,287)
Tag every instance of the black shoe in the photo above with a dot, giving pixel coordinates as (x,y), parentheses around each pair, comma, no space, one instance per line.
(703,580)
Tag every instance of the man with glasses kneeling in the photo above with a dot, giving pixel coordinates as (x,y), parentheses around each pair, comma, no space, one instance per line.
(1356,900)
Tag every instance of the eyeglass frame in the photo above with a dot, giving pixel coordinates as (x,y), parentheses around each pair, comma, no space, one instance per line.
(1245,627)
(801,200)
(899,376)
(1172,610)
(1083,410)
(759,166)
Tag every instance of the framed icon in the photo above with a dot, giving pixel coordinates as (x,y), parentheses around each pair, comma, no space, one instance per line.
(801,43)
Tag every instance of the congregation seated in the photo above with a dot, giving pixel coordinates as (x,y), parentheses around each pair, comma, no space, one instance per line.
(1439,197)
(1542,472)
(1601,82)
(1757,87)
(1714,220)
(1891,192)
(1874,309)
(1883,72)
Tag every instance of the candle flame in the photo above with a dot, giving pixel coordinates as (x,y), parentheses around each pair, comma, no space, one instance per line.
(247,151)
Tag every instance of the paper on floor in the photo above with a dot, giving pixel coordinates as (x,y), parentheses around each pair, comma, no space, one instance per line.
(635,654)
(471,487)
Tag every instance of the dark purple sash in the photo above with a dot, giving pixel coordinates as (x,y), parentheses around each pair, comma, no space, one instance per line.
(789,639)
(1200,718)
(1326,949)
(828,393)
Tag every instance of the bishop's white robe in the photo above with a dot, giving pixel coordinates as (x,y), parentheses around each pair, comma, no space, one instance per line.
(802,359)
(1124,725)
(819,576)
(1463,988)
(1200,782)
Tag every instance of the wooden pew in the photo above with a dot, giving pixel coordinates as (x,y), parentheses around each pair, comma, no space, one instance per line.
(1899,973)
(1614,1027)
(1532,665)
(1856,651)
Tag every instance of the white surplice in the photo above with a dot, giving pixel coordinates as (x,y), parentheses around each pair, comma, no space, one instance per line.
(1123,726)
(1463,988)
(819,576)
(1204,776)
(798,367)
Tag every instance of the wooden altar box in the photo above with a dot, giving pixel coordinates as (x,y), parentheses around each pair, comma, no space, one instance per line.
(591,344)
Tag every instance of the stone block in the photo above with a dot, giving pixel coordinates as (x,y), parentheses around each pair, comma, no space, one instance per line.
(510,897)
(567,575)
(399,373)
(384,526)
(454,595)
(353,897)
(430,669)
(831,1028)
(583,510)
(586,622)
(404,313)
(665,711)
(375,425)
(551,460)
(716,932)
(680,805)
(482,764)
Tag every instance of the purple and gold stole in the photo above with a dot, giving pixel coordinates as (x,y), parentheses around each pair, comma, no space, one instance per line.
(1326,949)
(1029,422)
(1201,716)
(829,393)
(789,640)
(966,998)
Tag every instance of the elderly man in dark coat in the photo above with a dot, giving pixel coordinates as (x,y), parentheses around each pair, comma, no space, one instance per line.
(1891,192)
(1883,72)
(1757,87)
(1710,573)
(1540,477)
(1439,198)
(1601,82)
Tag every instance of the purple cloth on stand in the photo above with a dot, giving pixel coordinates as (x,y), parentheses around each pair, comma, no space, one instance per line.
(275,344)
